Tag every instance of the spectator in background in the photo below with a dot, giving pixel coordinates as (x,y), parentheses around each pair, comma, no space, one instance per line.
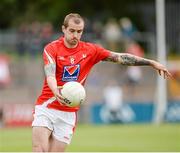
(135,48)
(128,31)
(46,33)
(112,34)
(114,110)
(113,98)
(134,74)
(97,30)
(22,39)
(34,40)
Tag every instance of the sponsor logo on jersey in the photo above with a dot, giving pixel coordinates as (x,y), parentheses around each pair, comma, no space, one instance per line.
(71,73)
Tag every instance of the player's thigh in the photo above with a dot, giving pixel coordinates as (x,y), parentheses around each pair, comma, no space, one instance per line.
(40,138)
(63,129)
(56,145)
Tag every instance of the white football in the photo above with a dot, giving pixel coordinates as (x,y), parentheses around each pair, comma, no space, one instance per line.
(74,94)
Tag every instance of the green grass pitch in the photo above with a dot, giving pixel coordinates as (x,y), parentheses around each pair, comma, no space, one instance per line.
(104,138)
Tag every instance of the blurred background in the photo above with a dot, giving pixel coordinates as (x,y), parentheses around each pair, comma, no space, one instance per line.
(120,95)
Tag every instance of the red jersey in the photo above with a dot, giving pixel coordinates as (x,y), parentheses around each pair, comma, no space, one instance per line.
(72,64)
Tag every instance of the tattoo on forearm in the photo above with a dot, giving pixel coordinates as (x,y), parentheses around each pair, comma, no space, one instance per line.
(128,59)
(134,60)
(50,69)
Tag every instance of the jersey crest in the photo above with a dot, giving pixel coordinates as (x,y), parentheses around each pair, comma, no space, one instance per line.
(71,73)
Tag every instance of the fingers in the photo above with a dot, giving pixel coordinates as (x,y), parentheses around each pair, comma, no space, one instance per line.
(169,75)
(58,95)
(166,74)
(60,99)
(159,71)
(162,70)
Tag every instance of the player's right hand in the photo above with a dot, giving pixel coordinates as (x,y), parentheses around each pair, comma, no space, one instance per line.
(59,96)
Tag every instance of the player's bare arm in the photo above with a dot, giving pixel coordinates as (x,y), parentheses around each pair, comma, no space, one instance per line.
(50,70)
(132,60)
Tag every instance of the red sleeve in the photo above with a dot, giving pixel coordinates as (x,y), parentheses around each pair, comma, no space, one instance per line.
(101,53)
(49,55)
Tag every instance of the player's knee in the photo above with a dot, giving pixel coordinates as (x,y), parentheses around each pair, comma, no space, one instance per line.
(40,148)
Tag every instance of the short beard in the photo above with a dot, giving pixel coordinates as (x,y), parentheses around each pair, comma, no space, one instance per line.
(73,42)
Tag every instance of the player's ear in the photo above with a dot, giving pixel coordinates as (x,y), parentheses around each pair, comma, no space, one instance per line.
(63,28)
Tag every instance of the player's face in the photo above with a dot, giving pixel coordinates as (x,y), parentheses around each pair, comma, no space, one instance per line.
(72,33)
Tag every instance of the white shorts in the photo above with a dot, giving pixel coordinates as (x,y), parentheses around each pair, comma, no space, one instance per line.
(61,123)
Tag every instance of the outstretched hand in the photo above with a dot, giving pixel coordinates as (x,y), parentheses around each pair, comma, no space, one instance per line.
(162,70)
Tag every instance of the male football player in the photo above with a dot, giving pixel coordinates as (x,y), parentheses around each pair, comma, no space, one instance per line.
(69,59)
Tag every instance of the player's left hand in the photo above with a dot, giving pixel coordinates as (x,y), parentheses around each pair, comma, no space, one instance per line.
(162,70)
